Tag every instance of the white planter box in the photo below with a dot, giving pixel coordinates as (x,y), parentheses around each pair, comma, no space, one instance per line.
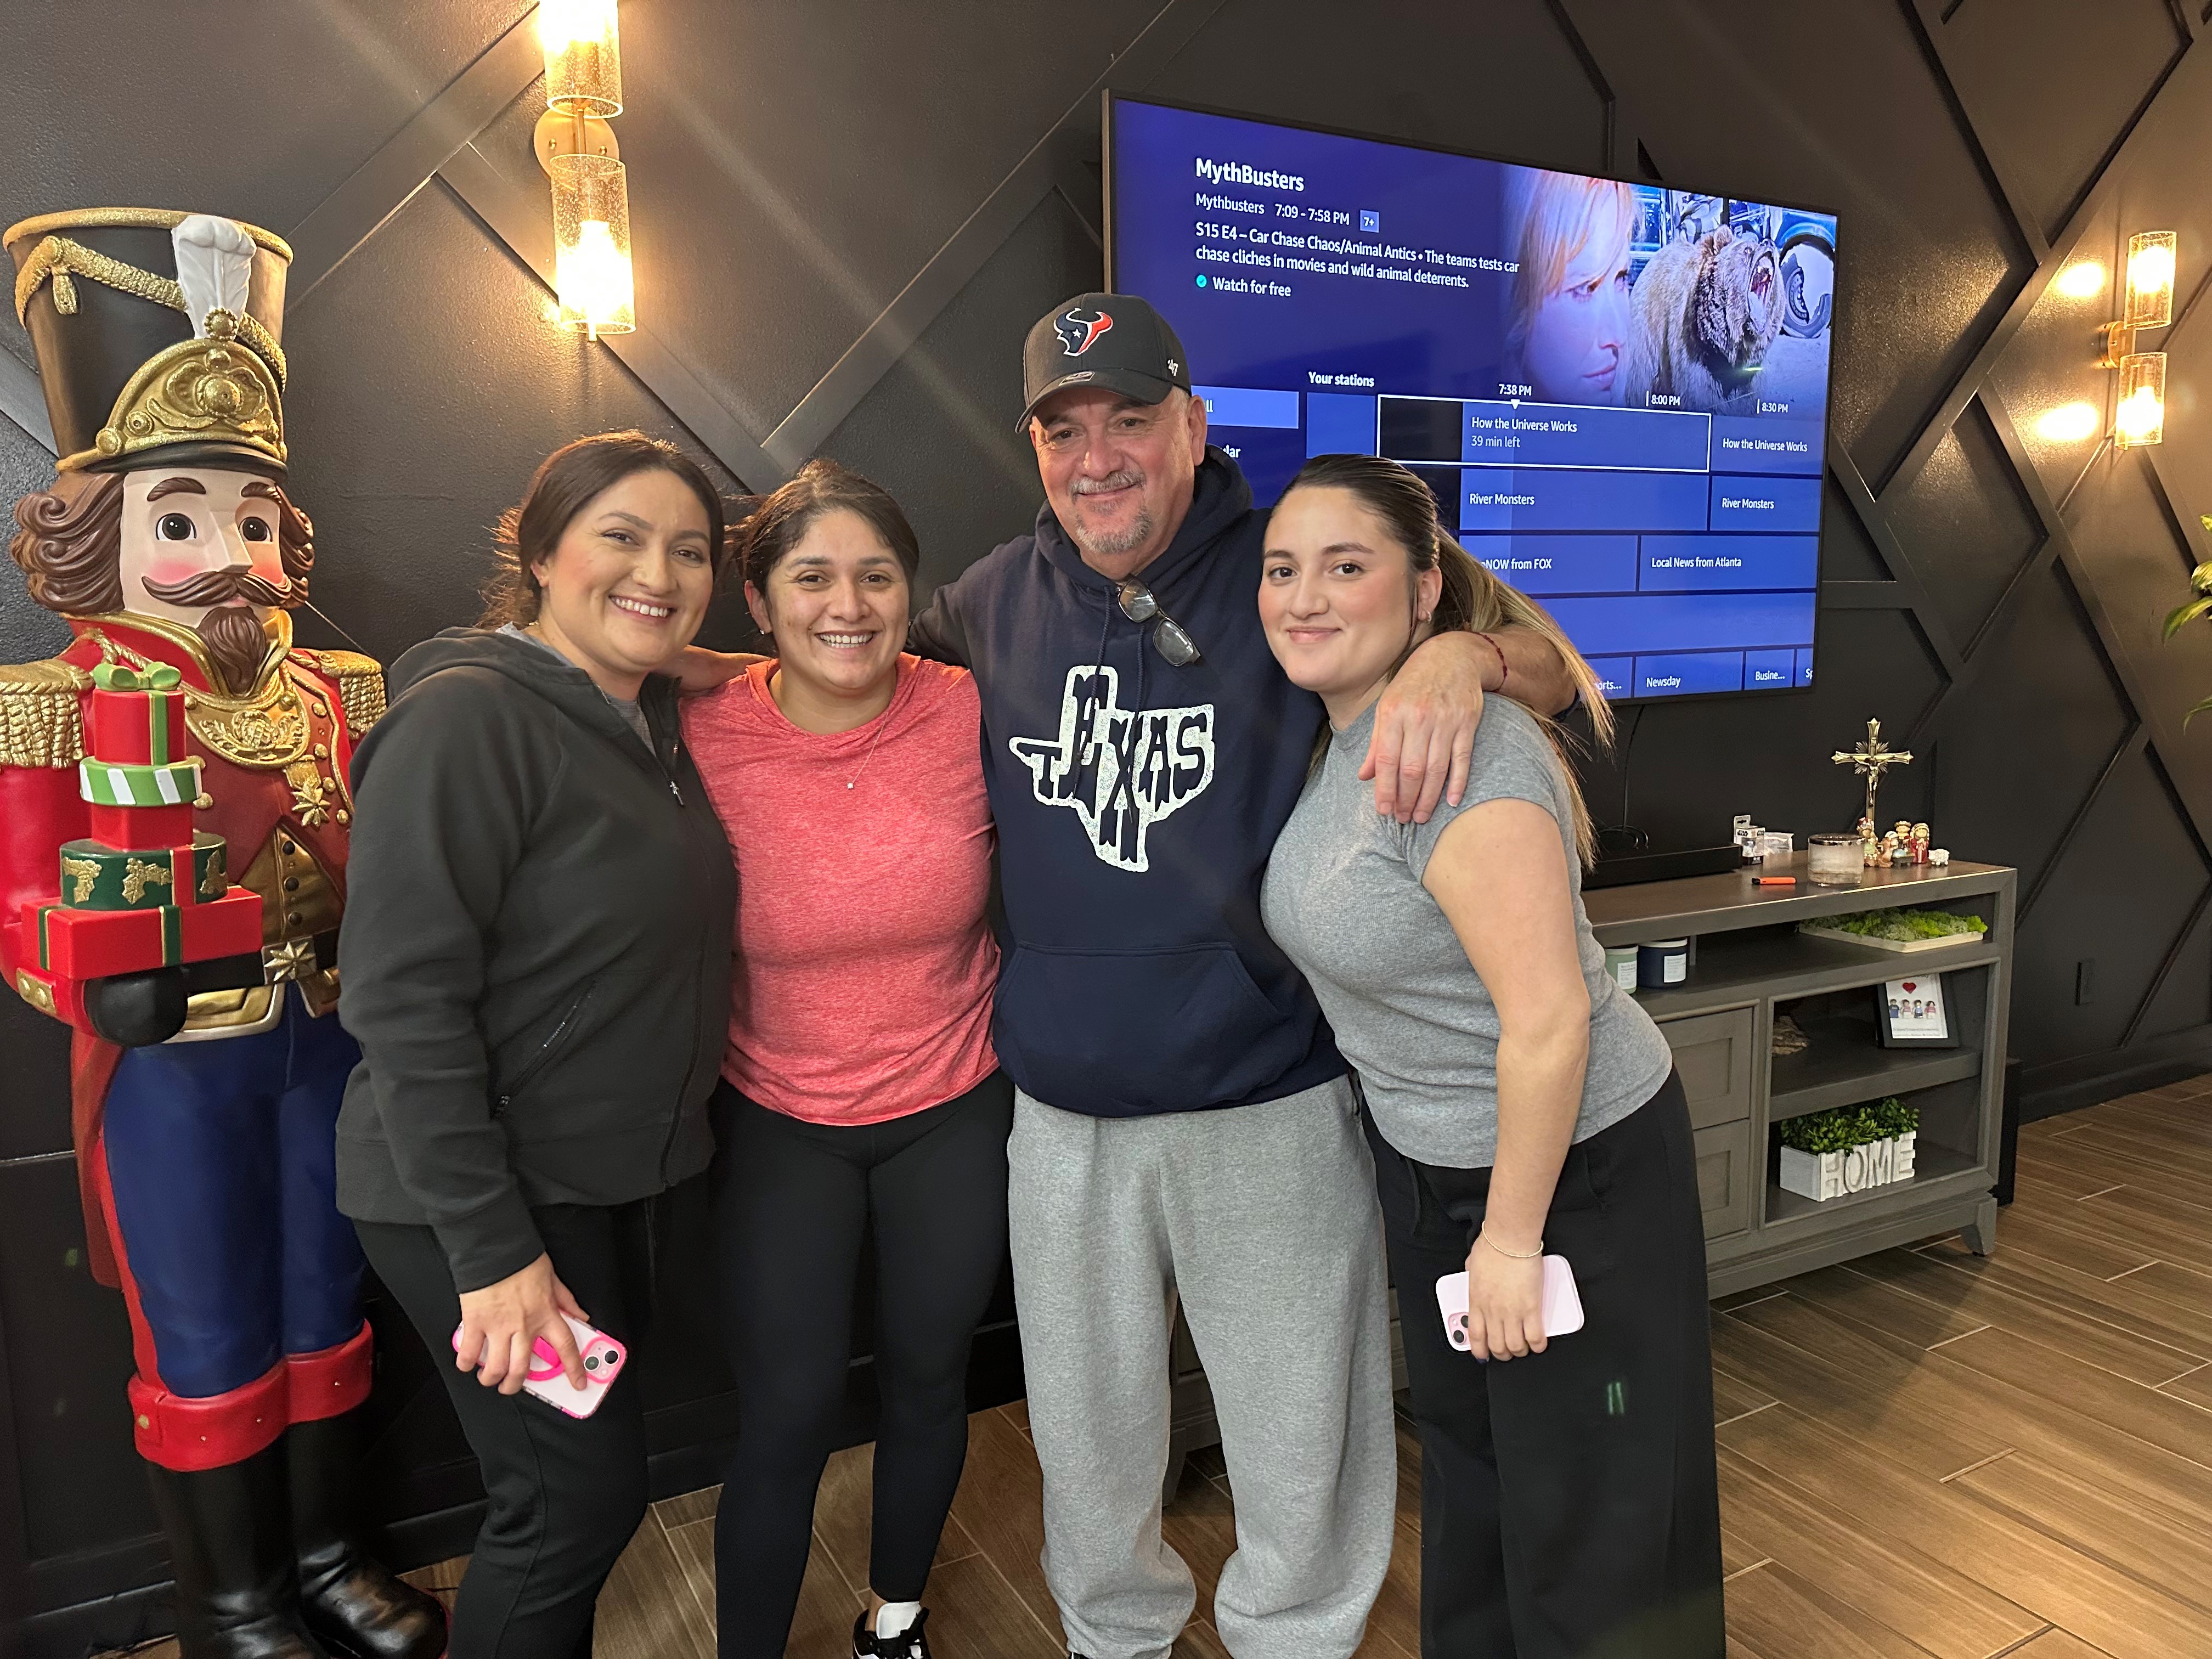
(1823,1176)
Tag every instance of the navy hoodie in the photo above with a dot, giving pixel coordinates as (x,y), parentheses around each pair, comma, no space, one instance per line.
(1137,804)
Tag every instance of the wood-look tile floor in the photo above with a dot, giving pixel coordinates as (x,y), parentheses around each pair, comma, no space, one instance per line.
(1924,1454)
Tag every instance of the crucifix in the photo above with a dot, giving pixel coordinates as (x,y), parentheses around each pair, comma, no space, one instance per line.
(1870,760)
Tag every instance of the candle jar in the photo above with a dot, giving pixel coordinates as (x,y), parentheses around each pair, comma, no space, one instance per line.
(1837,860)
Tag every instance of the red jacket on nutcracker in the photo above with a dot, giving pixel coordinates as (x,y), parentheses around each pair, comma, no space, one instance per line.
(173,817)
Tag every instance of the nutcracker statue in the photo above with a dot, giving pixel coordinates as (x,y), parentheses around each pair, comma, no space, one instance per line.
(173,817)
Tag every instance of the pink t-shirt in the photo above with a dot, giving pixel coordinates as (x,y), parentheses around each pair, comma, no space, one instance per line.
(863,970)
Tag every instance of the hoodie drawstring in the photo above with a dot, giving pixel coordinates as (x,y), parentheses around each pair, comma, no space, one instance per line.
(1125,749)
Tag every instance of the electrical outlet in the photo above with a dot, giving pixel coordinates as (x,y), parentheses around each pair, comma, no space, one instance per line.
(2085,982)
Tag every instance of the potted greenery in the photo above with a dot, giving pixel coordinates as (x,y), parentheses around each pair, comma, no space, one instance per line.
(2201,579)
(1848,1149)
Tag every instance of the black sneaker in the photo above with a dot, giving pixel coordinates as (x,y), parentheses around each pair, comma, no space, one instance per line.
(908,1644)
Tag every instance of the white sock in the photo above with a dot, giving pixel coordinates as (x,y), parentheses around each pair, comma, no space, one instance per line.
(893,1617)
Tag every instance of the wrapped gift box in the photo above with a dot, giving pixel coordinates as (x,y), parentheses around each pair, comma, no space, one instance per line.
(82,945)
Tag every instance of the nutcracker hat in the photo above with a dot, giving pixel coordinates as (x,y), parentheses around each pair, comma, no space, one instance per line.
(155,331)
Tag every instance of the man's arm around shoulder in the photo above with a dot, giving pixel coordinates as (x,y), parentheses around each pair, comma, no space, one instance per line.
(1425,725)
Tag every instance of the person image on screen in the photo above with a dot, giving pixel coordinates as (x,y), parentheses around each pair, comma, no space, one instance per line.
(860,1094)
(1567,313)
(1184,1131)
(1520,1104)
(536,959)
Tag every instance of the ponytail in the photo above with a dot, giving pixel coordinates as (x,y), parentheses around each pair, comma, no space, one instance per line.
(1473,599)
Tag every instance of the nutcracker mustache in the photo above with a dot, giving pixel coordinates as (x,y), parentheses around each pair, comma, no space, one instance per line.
(237,581)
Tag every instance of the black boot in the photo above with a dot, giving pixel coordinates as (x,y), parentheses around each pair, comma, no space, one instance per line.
(230,1544)
(355,1603)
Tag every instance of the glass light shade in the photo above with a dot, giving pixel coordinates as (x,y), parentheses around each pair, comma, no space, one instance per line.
(2141,416)
(591,250)
(583,56)
(2150,279)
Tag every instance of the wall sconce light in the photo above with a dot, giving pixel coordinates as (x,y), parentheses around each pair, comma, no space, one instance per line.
(2140,417)
(2150,278)
(583,57)
(576,147)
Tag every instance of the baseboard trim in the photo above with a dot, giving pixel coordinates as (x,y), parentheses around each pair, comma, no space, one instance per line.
(2068,1085)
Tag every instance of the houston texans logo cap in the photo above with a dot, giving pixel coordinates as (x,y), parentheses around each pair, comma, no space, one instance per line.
(1116,341)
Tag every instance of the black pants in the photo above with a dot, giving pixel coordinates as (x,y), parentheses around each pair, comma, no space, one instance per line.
(1570,1508)
(793,1200)
(565,1493)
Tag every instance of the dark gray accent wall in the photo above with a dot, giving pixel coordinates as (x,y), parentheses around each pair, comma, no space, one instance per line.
(847,212)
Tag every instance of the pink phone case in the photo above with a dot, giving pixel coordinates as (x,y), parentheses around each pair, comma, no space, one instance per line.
(1563,1303)
(603,1357)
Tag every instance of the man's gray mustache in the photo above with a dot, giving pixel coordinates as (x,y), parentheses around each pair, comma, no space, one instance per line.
(1112,481)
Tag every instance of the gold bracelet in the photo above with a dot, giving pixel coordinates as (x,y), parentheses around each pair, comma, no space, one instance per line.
(1510,1255)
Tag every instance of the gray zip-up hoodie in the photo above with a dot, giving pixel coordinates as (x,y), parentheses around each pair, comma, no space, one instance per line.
(535,952)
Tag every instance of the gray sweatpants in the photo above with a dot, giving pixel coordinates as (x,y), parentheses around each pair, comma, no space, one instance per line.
(1263,1219)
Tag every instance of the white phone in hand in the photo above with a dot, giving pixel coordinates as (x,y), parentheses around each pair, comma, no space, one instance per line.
(1563,1303)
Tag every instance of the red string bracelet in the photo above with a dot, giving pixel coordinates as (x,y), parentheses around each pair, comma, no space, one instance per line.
(1504,672)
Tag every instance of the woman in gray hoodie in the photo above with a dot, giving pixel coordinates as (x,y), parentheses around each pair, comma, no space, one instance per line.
(536,961)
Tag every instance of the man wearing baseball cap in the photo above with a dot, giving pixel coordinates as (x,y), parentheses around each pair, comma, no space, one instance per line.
(1184,1126)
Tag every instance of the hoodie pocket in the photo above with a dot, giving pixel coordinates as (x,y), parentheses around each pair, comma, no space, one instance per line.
(1122,1032)
(546,1052)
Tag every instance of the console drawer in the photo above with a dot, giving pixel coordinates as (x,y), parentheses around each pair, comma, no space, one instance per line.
(1713,1057)
(1724,1177)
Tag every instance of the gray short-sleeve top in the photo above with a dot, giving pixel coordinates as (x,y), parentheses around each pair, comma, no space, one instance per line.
(1343,897)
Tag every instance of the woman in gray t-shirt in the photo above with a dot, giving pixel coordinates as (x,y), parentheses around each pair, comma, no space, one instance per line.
(1520,1103)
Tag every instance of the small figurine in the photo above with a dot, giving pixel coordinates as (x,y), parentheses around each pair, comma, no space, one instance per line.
(1889,857)
(1939,856)
(1869,847)
(1920,839)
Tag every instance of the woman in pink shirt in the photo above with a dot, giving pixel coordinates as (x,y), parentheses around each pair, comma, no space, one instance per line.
(859,1088)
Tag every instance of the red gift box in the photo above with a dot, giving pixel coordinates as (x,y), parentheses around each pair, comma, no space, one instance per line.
(81,945)
(141,727)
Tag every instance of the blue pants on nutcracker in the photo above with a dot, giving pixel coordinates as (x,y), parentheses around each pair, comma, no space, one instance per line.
(216,1166)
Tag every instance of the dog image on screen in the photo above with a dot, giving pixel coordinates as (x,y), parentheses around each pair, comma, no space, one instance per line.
(1702,316)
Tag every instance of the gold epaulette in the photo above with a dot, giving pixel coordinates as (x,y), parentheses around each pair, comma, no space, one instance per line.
(39,722)
(361,686)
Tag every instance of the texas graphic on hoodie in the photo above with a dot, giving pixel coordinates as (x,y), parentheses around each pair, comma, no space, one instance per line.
(1137,803)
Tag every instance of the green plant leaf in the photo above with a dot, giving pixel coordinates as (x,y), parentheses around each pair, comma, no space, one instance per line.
(2194,712)
(1841,1128)
(2184,615)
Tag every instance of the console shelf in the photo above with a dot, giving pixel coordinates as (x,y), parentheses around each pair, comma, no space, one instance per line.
(1932,1168)
(1846,1064)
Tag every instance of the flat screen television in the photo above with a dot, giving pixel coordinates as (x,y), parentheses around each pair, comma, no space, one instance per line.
(1619,392)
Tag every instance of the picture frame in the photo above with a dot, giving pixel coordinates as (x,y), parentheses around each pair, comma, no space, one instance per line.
(1912,1013)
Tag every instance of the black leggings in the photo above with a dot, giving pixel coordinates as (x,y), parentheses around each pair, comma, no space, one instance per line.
(791,1202)
(564,1494)
(1569,1504)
